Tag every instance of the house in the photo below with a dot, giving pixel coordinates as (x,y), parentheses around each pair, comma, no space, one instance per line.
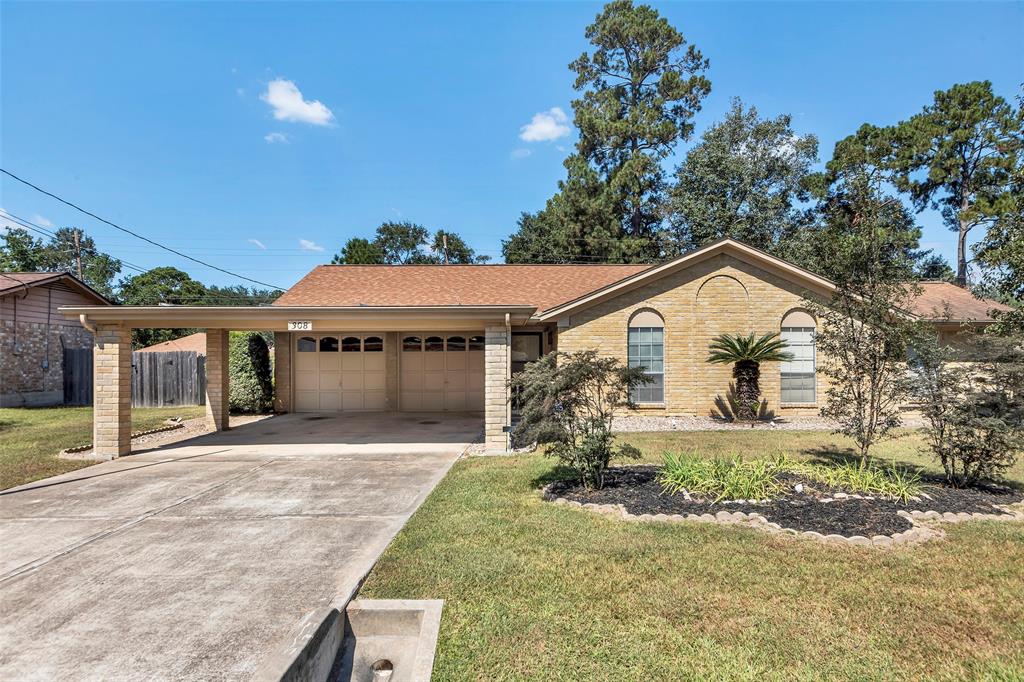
(435,338)
(33,334)
(193,342)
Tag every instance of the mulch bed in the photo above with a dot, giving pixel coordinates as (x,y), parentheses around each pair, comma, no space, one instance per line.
(637,489)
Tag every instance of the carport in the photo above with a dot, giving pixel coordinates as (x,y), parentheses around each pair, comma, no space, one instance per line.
(439,359)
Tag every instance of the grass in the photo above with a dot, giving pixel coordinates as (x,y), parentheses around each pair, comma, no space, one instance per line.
(30,438)
(539,591)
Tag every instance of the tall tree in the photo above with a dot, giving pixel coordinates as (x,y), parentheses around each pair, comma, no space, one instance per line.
(745,179)
(448,247)
(957,156)
(161,285)
(66,249)
(1000,255)
(641,87)
(359,251)
(401,242)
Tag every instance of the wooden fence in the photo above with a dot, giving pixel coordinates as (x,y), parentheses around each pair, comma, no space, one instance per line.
(158,379)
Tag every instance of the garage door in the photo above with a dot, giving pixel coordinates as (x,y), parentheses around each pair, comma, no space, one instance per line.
(442,372)
(335,372)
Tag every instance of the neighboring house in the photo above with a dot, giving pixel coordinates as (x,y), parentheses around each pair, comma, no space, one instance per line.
(193,342)
(33,334)
(448,337)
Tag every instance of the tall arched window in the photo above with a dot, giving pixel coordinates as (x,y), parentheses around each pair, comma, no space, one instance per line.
(646,340)
(798,375)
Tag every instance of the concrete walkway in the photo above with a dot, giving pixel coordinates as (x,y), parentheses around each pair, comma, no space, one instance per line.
(198,560)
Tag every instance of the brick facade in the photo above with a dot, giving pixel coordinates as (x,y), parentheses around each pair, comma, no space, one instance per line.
(32,370)
(282,372)
(497,371)
(720,295)
(217,379)
(112,391)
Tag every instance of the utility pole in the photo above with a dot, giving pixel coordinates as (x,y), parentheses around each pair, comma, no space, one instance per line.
(78,251)
(444,247)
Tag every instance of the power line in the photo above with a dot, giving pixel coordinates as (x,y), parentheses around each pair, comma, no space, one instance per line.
(135,234)
(35,227)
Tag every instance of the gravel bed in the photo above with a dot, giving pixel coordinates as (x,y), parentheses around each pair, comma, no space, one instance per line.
(634,423)
(816,508)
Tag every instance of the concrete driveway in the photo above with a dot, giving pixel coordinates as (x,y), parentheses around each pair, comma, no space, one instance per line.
(198,560)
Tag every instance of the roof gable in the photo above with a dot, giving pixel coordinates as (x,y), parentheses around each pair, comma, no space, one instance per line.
(11,282)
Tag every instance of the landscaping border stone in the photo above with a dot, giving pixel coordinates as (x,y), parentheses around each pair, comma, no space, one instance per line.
(923,522)
(138,434)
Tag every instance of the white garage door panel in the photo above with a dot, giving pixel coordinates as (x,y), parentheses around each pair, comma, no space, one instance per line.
(442,372)
(340,372)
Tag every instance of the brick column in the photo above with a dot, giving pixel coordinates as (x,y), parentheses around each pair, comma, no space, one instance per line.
(282,372)
(112,391)
(217,379)
(497,371)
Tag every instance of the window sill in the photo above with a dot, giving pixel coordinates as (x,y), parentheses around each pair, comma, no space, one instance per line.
(785,405)
(650,406)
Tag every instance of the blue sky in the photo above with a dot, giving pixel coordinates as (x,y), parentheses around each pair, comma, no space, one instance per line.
(165,117)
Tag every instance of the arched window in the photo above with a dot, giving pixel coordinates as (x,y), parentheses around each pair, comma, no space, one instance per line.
(411,344)
(328,344)
(799,385)
(373,344)
(646,340)
(351,344)
(433,344)
(456,343)
(306,344)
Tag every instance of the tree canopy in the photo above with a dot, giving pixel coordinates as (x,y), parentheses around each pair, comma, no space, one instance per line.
(21,252)
(406,243)
(746,179)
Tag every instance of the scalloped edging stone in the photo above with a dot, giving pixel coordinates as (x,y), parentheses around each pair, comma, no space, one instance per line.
(137,434)
(922,522)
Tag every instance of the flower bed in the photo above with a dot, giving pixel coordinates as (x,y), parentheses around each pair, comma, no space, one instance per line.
(802,505)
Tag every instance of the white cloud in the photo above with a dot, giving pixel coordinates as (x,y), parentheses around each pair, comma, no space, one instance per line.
(286,100)
(275,138)
(258,243)
(520,153)
(397,212)
(308,245)
(40,220)
(546,126)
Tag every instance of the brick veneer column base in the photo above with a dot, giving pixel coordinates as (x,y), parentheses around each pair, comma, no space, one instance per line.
(497,371)
(112,391)
(217,379)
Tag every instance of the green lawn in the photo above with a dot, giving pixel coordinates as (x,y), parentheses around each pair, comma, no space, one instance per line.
(30,438)
(538,591)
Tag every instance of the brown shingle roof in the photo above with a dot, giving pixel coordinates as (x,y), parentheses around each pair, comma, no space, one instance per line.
(543,286)
(938,298)
(193,342)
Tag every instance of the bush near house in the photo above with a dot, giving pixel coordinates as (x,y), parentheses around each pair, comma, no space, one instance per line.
(568,401)
(252,387)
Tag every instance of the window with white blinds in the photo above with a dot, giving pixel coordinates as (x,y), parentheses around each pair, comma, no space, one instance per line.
(798,377)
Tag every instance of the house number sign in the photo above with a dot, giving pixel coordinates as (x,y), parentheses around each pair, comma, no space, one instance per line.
(300,325)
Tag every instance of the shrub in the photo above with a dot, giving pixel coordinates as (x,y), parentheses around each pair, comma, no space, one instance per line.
(251,386)
(757,479)
(725,479)
(974,413)
(568,401)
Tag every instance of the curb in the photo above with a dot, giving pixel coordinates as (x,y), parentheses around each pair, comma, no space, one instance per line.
(921,530)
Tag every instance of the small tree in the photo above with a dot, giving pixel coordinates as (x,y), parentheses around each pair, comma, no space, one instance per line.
(864,331)
(251,387)
(568,401)
(975,412)
(745,354)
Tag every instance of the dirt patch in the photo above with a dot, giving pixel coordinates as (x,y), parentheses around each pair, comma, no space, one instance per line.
(816,507)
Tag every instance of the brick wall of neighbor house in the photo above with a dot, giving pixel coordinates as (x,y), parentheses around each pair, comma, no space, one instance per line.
(25,379)
(720,295)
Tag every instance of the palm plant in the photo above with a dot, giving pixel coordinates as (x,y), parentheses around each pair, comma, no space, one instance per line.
(745,354)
